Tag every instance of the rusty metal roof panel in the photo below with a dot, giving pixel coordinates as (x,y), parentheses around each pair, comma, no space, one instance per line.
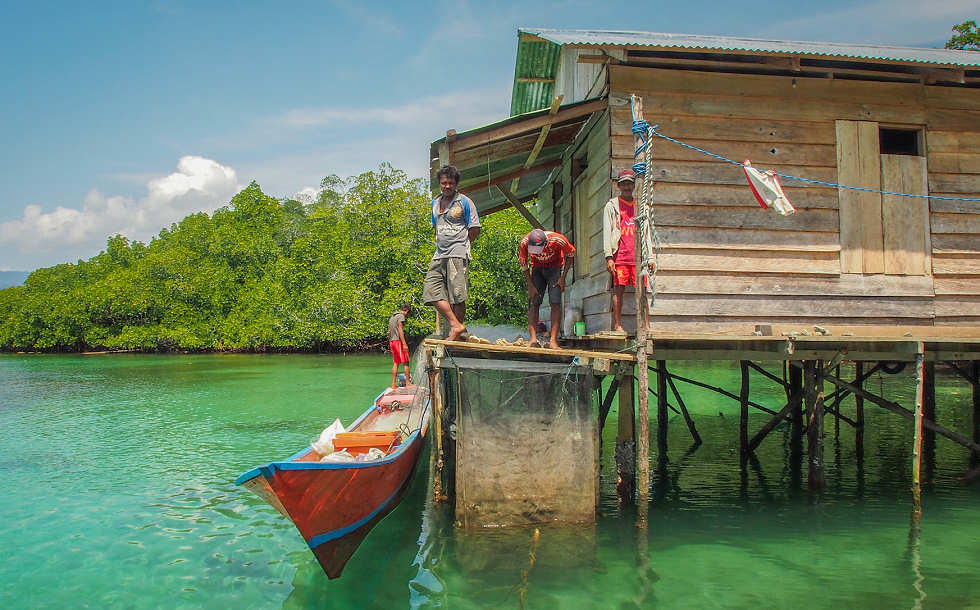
(914,55)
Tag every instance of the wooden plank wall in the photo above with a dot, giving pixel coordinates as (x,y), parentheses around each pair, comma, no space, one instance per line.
(726,263)
(953,159)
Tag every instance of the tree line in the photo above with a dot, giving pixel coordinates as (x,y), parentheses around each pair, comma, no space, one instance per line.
(265,274)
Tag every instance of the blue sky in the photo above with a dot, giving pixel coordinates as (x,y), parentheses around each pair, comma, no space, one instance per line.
(123,117)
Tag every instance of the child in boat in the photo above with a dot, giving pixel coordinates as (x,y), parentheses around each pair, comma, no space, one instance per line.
(398,344)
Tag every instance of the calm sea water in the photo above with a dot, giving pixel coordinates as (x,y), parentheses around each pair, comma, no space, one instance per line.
(118,476)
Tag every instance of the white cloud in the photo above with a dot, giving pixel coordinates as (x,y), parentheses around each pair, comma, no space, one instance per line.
(198,185)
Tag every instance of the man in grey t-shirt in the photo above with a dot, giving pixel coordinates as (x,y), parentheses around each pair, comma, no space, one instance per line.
(457,224)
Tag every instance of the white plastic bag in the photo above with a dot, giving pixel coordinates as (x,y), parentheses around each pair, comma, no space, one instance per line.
(338,456)
(324,444)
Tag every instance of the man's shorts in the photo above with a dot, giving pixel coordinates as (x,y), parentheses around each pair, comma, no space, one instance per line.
(399,352)
(446,280)
(542,277)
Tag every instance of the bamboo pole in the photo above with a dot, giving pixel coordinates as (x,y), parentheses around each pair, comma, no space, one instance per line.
(435,395)
(643,440)
(917,439)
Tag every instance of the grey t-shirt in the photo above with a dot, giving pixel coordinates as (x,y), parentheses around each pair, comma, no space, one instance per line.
(393,326)
(453,225)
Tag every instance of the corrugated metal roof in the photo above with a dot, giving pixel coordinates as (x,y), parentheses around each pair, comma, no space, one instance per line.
(535,60)
(916,55)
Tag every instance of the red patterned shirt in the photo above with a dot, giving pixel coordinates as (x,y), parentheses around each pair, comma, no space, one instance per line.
(555,251)
(626,250)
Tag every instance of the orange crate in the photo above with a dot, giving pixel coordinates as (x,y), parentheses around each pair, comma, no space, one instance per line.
(361,442)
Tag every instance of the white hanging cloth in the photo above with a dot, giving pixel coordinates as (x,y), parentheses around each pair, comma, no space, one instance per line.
(767,190)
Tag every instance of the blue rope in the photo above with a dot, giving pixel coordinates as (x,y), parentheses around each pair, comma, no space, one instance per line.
(639,125)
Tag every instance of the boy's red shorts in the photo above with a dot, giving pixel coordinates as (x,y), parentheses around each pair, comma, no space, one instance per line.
(399,353)
(625,275)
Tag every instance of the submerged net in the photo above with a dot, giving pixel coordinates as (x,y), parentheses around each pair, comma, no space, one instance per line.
(525,449)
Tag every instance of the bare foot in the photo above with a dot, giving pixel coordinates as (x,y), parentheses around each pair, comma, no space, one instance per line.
(534,344)
(455,333)
(620,329)
(554,345)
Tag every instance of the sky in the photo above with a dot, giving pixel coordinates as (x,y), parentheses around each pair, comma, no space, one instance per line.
(124,117)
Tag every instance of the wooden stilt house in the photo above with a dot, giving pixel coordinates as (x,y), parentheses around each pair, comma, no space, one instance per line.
(901,120)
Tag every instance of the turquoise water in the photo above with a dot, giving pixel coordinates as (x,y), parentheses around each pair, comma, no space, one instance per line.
(118,475)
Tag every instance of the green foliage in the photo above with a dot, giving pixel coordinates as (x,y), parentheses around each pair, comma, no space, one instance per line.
(966,37)
(262,274)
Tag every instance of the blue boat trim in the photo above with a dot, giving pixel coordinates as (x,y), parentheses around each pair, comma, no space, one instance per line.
(316,541)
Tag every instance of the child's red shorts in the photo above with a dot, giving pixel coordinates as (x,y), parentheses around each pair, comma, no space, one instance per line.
(399,353)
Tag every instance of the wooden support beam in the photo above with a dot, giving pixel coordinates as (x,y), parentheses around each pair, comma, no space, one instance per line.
(721,391)
(669,406)
(626,443)
(743,420)
(894,407)
(772,423)
(519,207)
(680,401)
(975,370)
(795,400)
(539,143)
(481,182)
(835,411)
(929,413)
(755,367)
(607,402)
(813,396)
(859,412)
(526,126)
(661,409)
(917,440)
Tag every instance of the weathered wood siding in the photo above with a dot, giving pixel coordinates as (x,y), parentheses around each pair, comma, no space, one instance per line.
(725,262)
(953,159)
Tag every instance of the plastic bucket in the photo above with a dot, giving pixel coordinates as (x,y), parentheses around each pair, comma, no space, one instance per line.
(579,329)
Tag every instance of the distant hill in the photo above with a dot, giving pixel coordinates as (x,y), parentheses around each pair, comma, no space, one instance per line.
(12,278)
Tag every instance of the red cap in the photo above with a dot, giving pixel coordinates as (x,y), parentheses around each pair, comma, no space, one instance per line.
(626,174)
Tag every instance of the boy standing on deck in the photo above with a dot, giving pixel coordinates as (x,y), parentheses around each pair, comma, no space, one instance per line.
(618,243)
(457,224)
(398,344)
(545,257)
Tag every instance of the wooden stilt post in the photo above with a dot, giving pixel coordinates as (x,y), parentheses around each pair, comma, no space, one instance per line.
(929,413)
(859,417)
(795,395)
(743,421)
(662,407)
(917,439)
(626,442)
(813,393)
(837,411)
(975,373)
